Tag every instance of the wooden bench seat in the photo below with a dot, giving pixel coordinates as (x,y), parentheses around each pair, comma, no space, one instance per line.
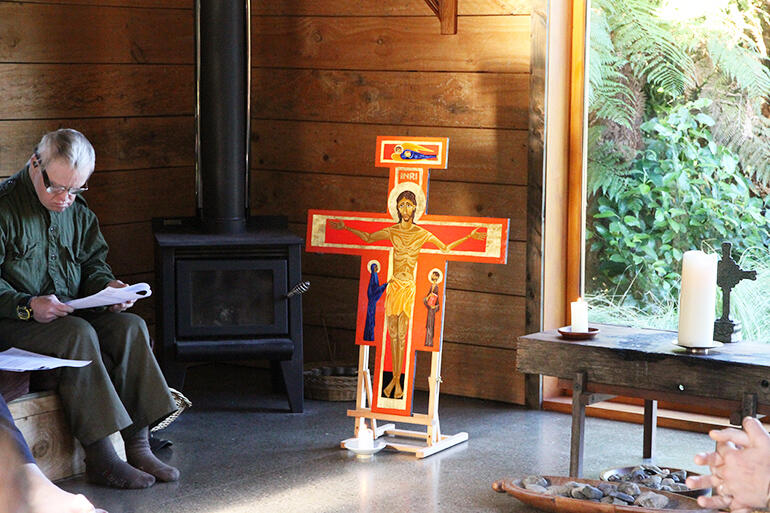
(40,418)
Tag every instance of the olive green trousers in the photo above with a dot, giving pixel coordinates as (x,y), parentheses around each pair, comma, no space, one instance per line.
(122,389)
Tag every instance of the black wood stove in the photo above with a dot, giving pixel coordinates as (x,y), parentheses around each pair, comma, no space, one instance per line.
(224,278)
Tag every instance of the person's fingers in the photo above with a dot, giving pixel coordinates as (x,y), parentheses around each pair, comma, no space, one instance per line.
(714,502)
(723,449)
(695,482)
(715,478)
(708,458)
(755,432)
(736,436)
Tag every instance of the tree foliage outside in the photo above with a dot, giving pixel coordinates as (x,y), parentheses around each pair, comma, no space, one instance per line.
(678,142)
(684,191)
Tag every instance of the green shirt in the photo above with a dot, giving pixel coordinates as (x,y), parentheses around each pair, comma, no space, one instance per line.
(45,252)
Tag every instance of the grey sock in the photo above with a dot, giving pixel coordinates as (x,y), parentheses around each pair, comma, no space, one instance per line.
(104,467)
(139,454)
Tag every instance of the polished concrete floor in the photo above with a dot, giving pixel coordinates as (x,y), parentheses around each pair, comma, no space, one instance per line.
(240,450)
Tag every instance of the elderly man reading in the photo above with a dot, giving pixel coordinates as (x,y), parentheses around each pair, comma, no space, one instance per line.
(51,251)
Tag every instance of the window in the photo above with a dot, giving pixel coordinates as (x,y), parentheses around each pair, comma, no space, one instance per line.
(676,138)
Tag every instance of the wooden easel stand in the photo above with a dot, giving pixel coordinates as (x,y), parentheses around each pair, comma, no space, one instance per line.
(433,440)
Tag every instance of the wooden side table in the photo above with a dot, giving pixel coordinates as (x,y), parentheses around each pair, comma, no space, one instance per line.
(647,364)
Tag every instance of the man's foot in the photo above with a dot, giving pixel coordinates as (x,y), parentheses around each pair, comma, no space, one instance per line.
(139,455)
(399,393)
(104,467)
(118,474)
(388,389)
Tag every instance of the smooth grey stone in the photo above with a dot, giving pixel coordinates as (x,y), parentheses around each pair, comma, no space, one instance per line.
(537,480)
(656,470)
(623,496)
(607,500)
(560,490)
(576,494)
(620,502)
(535,488)
(667,482)
(679,476)
(572,484)
(629,488)
(651,500)
(666,488)
(607,488)
(591,492)
(652,482)
(637,475)
(680,487)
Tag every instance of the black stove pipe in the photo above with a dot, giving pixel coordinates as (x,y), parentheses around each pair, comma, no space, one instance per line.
(222,114)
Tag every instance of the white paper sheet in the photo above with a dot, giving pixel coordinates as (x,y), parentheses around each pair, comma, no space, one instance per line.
(113,296)
(18,360)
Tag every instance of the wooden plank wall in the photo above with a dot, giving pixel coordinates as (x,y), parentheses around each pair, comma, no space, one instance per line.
(327,78)
(122,73)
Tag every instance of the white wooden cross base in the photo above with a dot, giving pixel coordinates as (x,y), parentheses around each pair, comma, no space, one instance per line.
(433,440)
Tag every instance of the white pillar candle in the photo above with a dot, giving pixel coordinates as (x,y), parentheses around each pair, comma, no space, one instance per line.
(579,317)
(697,299)
(365,437)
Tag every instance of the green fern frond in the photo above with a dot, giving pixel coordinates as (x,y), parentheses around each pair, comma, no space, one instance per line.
(649,45)
(742,66)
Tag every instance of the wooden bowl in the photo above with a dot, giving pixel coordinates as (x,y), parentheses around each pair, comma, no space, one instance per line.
(557,504)
(622,471)
(567,333)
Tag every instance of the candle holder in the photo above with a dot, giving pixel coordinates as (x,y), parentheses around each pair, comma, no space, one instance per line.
(729,274)
(353,445)
(699,350)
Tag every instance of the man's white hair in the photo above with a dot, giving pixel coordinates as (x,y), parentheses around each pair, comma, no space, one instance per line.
(70,145)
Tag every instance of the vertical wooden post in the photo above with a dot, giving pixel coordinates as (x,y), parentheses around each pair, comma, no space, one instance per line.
(363,396)
(576,187)
(650,424)
(434,383)
(577,443)
(749,405)
(447,13)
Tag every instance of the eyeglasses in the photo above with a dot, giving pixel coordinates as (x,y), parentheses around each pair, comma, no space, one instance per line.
(57,189)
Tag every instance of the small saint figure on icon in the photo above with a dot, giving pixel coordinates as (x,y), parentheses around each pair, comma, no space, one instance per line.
(373,294)
(432,303)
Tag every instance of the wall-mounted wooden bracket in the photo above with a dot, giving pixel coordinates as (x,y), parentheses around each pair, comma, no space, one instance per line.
(446,10)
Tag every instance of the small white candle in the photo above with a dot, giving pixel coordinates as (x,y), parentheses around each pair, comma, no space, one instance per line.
(579,317)
(697,299)
(365,437)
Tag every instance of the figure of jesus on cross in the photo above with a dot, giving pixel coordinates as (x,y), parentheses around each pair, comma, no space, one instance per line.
(407,239)
(411,249)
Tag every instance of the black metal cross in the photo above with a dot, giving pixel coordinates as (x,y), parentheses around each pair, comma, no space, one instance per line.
(728,276)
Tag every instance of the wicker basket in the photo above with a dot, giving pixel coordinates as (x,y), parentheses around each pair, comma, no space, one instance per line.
(331,383)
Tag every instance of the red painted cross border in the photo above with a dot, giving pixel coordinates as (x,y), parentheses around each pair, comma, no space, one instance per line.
(401,298)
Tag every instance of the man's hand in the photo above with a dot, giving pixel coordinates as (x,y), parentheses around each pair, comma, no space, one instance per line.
(47,308)
(117,284)
(478,236)
(337,224)
(740,468)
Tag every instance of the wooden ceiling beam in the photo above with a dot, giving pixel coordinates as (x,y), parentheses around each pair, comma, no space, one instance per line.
(446,10)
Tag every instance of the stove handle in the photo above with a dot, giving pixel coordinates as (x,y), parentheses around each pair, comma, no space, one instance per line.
(299,288)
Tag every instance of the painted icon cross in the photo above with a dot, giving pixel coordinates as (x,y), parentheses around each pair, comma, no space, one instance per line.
(404,258)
